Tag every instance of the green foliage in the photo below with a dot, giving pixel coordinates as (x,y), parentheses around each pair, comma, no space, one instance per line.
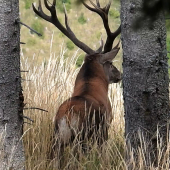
(70,45)
(28,4)
(168,25)
(61,35)
(80,60)
(114,13)
(68,7)
(31,41)
(38,26)
(66,55)
(59,5)
(82,19)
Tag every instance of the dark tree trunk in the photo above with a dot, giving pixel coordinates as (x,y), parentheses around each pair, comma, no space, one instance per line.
(145,78)
(11,98)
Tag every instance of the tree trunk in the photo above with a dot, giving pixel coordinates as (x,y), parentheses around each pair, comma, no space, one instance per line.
(11,98)
(145,79)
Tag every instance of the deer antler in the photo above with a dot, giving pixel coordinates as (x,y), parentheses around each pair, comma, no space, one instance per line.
(103,12)
(54,20)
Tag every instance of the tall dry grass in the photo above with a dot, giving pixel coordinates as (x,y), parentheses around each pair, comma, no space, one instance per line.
(46,86)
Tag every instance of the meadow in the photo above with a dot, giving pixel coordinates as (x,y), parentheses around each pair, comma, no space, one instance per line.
(46,86)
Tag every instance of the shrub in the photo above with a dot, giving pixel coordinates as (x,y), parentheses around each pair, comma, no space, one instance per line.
(82,19)
(28,4)
(114,13)
(60,7)
(70,45)
(80,60)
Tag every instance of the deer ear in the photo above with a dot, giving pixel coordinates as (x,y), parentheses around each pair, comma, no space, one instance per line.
(109,56)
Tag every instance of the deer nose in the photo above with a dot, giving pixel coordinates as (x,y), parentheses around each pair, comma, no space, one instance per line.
(118,79)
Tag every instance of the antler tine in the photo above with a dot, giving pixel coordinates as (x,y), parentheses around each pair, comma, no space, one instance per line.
(66,20)
(103,12)
(40,6)
(54,3)
(107,7)
(51,8)
(46,5)
(40,12)
(99,50)
(93,9)
(117,46)
(110,40)
(96,7)
(73,37)
(98,3)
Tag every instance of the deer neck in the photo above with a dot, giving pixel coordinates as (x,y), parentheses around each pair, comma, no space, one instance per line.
(91,79)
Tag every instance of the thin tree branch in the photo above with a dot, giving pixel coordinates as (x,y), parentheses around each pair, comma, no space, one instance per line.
(24,71)
(27,108)
(29,28)
(28,118)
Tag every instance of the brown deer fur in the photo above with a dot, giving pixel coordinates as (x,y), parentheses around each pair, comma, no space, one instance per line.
(88,112)
(89,100)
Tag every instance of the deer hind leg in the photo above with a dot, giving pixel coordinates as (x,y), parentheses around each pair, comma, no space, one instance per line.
(61,140)
(101,129)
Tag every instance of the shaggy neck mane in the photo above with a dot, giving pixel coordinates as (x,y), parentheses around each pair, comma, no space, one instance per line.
(90,78)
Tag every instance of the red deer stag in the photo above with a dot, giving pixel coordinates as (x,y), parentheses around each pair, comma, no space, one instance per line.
(88,111)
